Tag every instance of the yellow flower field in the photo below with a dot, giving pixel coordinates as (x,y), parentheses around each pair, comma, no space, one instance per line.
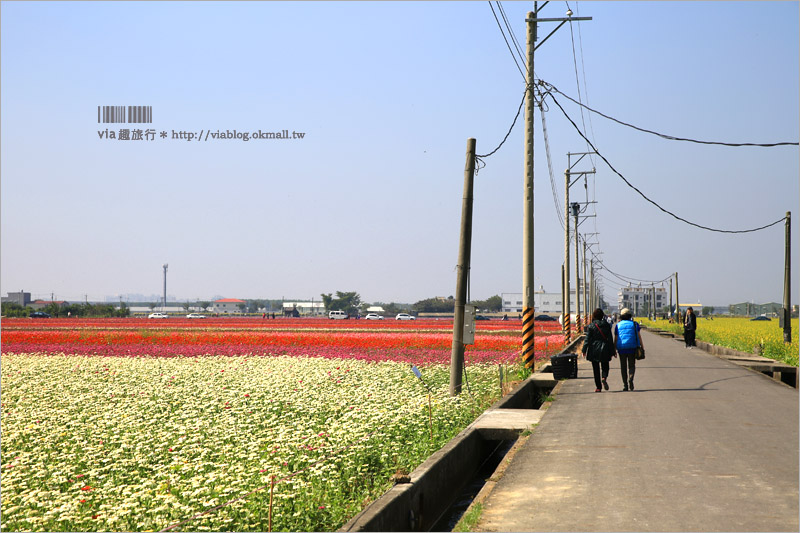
(741,334)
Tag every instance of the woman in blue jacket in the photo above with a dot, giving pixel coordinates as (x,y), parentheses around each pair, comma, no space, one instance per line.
(627,338)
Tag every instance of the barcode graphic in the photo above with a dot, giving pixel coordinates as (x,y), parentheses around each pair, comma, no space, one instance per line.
(117,113)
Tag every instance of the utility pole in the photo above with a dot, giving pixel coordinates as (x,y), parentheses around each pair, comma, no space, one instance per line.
(587,309)
(567,327)
(670,297)
(528,338)
(787,280)
(677,302)
(165,288)
(464,249)
(653,300)
(575,210)
(532,21)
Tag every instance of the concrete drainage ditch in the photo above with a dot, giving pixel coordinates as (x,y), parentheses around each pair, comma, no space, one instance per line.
(441,489)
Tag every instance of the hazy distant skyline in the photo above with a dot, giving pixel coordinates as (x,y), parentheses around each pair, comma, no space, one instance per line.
(386,95)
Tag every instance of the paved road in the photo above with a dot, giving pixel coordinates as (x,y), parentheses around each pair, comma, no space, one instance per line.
(700,445)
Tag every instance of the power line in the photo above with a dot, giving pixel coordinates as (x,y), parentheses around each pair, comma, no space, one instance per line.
(629,184)
(511,33)
(663,135)
(550,167)
(519,110)
(514,57)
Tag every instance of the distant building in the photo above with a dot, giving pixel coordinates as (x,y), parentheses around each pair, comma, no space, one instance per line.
(303,308)
(227,306)
(753,309)
(41,304)
(544,303)
(21,298)
(640,300)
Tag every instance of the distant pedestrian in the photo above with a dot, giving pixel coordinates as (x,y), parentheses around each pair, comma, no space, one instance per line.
(627,338)
(689,328)
(598,347)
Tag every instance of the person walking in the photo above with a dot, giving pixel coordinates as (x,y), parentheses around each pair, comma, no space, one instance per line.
(626,339)
(689,328)
(598,347)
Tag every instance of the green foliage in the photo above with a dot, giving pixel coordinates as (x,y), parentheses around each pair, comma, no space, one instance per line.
(470,518)
(434,305)
(348,302)
(13,309)
(493,304)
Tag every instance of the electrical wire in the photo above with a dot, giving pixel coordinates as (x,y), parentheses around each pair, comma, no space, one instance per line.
(629,184)
(506,40)
(511,33)
(519,110)
(550,168)
(551,87)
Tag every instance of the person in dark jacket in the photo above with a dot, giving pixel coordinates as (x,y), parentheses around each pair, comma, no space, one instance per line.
(598,347)
(689,328)
(627,338)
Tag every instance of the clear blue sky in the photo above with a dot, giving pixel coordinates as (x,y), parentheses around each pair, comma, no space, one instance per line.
(387,94)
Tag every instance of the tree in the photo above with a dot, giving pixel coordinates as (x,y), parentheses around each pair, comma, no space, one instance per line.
(434,305)
(186,307)
(242,307)
(204,305)
(344,301)
(707,310)
(152,306)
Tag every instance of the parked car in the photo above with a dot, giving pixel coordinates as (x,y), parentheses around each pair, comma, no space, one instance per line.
(338,315)
(404,316)
(373,316)
(481,317)
(39,314)
(158,315)
(545,318)
(195,315)
(761,317)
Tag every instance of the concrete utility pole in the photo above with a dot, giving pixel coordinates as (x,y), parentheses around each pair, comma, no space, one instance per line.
(587,309)
(575,210)
(670,297)
(566,326)
(787,280)
(527,210)
(165,288)
(464,250)
(677,302)
(532,21)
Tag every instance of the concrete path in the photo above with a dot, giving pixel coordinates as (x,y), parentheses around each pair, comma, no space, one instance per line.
(701,445)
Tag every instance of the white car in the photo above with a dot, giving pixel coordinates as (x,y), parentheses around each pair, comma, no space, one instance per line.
(373,316)
(404,316)
(195,315)
(158,315)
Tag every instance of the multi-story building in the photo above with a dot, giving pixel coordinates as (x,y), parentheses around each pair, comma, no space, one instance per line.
(640,299)
(21,298)
(546,303)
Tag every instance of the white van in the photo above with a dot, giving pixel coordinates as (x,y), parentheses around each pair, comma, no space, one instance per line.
(337,315)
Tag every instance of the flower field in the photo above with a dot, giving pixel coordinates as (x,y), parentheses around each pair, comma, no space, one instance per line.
(123,424)
(741,334)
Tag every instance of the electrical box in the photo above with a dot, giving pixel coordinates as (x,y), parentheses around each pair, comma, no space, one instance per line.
(469,324)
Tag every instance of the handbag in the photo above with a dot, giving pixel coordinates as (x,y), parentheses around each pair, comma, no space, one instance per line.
(638,353)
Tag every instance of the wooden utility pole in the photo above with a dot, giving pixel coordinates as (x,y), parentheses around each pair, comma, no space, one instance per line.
(787,281)
(464,249)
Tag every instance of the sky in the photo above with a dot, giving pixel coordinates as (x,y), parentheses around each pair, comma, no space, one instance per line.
(385,95)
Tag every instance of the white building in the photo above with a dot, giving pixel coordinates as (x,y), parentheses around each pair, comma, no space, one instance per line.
(304,308)
(640,299)
(544,303)
(227,306)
